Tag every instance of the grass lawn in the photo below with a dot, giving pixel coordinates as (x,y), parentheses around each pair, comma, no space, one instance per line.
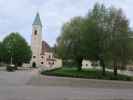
(90,74)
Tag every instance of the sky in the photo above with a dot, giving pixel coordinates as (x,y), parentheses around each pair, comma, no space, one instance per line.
(18,15)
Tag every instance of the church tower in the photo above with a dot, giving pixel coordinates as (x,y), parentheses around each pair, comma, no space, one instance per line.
(36,42)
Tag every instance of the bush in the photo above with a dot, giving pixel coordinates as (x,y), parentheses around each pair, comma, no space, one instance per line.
(69,63)
(90,74)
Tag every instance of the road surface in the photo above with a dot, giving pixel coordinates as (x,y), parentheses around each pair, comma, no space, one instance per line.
(29,85)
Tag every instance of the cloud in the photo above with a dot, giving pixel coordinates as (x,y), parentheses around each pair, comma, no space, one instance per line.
(18,15)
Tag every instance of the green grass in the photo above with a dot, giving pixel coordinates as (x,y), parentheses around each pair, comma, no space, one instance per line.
(90,74)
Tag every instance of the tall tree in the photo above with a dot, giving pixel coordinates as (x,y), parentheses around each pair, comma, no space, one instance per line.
(98,35)
(101,35)
(119,44)
(1,52)
(69,46)
(17,49)
(110,36)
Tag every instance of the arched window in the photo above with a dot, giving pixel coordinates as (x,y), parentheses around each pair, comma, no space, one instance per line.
(34,56)
(35,32)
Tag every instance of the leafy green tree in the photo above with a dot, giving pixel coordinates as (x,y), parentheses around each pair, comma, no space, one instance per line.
(17,49)
(119,45)
(97,21)
(109,39)
(101,35)
(69,43)
(1,52)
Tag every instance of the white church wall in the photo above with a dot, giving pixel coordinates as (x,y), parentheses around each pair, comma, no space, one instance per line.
(36,44)
(49,61)
(58,63)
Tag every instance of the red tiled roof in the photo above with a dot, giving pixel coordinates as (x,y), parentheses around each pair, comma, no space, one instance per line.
(45,47)
(50,59)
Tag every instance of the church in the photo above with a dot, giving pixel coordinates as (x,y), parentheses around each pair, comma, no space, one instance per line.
(42,55)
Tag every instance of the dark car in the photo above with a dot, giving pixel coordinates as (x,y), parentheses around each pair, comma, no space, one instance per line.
(10,67)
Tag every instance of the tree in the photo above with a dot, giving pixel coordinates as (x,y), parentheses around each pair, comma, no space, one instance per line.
(16,49)
(1,52)
(101,35)
(68,44)
(110,36)
(119,45)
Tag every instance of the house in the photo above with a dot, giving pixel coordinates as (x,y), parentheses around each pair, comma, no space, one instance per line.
(87,64)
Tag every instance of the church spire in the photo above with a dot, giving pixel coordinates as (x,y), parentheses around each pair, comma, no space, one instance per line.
(37,20)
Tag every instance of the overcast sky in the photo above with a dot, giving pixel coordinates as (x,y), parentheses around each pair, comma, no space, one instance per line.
(18,15)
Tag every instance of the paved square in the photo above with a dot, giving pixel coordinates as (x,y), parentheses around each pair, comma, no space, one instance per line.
(28,85)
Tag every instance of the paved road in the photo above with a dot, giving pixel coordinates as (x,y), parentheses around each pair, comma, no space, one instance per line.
(28,85)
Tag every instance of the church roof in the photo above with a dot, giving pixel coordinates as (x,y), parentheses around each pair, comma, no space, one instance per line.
(37,20)
(45,47)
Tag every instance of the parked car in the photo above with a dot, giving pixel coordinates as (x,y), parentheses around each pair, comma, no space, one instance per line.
(10,67)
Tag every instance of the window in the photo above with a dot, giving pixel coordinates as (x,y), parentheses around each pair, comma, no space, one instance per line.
(35,32)
(49,56)
(34,56)
(86,64)
(42,57)
(41,62)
